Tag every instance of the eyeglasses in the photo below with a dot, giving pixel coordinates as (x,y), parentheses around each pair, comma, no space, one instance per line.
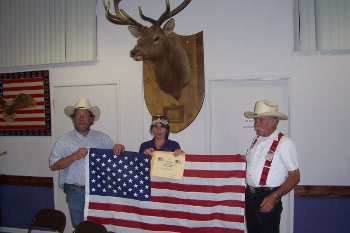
(83,115)
(159,117)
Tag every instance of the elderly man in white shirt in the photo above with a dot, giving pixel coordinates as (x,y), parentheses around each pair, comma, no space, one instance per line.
(272,169)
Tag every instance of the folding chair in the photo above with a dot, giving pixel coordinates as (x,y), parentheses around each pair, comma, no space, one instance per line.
(90,227)
(49,218)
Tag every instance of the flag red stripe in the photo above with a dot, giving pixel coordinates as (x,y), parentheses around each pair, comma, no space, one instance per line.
(22,80)
(212,174)
(198,188)
(26,119)
(40,103)
(213,158)
(161,227)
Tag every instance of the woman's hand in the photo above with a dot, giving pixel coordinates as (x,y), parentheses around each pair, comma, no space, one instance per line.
(178,152)
(149,151)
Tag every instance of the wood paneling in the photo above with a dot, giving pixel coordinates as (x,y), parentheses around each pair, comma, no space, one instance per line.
(27,181)
(322,191)
(299,191)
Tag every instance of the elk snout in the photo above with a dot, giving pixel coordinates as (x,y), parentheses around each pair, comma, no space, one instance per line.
(136,55)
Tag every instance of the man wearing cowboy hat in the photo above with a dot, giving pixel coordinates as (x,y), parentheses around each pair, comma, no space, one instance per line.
(68,154)
(272,169)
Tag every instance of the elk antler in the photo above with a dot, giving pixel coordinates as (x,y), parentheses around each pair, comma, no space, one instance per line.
(166,15)
(120,17)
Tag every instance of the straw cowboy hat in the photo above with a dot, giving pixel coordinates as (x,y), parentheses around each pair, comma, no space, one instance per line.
(266,108)
(83,103)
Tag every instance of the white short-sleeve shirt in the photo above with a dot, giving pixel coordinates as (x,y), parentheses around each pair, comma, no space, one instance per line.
(284,160)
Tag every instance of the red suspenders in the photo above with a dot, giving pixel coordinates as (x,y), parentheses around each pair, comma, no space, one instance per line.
(267,165)
(268,162)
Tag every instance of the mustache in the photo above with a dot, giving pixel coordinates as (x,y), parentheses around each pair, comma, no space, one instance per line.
(257,128)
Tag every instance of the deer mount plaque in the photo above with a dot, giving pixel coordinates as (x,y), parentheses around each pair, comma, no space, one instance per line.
(173,64)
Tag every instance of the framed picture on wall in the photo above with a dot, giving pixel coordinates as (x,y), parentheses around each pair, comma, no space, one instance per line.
(25,104)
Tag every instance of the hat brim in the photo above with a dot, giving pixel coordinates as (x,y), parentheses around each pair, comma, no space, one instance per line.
(69,110)
(164,122)
(279,115)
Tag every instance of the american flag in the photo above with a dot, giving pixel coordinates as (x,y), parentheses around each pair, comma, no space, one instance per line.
(210,198)
(28,121)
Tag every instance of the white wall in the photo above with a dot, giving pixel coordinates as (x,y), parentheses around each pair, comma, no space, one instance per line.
(242,39)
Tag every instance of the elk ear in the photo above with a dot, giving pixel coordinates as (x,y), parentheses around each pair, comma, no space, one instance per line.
(169,26)
(134,31)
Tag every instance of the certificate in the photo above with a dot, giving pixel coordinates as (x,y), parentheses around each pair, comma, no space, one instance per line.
(165,164)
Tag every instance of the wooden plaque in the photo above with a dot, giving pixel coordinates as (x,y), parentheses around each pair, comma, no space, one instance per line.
(192,96)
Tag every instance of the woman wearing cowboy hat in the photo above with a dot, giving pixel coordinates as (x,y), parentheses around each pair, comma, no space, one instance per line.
(68,154)
(272,169)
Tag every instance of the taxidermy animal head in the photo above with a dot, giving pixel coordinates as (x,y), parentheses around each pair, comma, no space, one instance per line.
(158,46)
(10,106)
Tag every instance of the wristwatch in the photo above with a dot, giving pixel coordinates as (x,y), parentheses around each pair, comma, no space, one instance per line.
(276,197)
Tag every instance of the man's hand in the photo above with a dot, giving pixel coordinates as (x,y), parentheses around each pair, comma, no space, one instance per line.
(268,204)
(81,153)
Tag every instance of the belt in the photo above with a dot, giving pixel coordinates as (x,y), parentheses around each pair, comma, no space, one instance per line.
(261,189)
(76,186)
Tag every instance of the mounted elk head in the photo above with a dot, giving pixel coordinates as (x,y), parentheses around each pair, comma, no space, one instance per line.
(159,47)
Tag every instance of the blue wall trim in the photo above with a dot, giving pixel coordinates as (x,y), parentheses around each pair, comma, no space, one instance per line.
(321,215)
(19,204)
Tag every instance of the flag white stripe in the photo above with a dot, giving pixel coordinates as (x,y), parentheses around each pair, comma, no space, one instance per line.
(197,195)
(26,91)
(31,123)
(203,181)
(210,166)
(131,230)
(31,115)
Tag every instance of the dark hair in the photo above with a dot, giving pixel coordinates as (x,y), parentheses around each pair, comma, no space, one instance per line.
(167,127)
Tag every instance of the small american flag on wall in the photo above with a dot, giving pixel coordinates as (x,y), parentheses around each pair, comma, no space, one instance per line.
(25,104)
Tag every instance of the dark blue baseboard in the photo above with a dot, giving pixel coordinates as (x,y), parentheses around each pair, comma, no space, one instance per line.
(321,215)
(19,204)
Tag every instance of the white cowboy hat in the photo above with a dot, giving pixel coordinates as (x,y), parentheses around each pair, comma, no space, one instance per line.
(83,103)
(265,108)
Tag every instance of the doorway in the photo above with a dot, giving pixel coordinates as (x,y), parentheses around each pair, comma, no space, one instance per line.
(105,96)
(232,133)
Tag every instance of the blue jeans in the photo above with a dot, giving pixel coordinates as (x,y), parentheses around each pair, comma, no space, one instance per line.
(258,222)
(75,198)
